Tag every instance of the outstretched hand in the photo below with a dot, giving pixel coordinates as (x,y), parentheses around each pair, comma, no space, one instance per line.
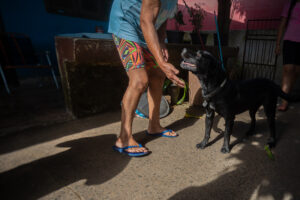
(171,73)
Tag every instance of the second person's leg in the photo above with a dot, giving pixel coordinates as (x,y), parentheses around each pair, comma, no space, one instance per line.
(288,79)
(156,81)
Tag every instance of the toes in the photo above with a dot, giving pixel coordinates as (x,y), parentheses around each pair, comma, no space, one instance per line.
(171,133)
(165,132)
(143,149)
(137,150)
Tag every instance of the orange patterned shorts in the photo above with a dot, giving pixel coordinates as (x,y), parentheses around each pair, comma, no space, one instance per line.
(133,56)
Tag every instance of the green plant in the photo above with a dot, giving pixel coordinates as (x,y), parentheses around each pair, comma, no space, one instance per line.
(179,19)
(197,16)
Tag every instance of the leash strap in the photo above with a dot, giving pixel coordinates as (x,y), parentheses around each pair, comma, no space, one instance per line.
(219,41)
(214,92)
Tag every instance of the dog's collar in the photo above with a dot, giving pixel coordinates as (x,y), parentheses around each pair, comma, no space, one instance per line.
(207,97)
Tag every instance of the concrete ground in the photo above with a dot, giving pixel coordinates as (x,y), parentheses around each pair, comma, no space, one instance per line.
(48,155)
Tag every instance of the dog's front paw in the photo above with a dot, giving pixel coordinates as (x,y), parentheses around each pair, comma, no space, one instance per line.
(225,149)
(201,145)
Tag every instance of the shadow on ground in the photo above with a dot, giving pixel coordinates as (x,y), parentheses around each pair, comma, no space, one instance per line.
(257,175)
(30,109)
(90,158)
(32,136)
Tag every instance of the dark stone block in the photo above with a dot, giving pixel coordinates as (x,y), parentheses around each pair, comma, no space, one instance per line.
(94,88)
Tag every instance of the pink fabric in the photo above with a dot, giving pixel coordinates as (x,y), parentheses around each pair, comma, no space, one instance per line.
(292,32)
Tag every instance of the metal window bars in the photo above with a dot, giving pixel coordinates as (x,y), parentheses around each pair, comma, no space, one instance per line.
(259,58)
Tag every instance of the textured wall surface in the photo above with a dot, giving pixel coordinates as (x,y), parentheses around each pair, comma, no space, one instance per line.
(241,11)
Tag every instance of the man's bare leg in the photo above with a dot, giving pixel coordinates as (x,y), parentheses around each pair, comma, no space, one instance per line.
(138,82)
(156,81)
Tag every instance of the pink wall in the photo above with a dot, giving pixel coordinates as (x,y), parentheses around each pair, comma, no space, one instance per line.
(242,10)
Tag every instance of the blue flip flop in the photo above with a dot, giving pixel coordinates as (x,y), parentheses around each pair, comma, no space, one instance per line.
(162,134)
(132,154)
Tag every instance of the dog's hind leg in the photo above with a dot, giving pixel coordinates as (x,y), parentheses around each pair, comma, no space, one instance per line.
(210,114)
(270,111)
(252,113)
(228,130)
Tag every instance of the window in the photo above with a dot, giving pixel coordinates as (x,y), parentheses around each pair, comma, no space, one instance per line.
(91,9)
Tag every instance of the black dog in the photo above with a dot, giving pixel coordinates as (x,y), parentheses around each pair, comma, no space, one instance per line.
(229,98)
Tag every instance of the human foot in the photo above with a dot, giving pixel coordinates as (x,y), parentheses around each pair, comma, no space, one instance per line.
(124,150)
(130,146)
(283,107)
(163,132)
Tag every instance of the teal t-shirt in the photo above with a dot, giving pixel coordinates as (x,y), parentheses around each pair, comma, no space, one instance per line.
(124,21)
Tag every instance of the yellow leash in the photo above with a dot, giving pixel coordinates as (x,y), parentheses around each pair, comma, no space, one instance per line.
(187,115)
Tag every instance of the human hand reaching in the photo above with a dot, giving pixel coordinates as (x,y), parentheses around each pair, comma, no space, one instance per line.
(171,73)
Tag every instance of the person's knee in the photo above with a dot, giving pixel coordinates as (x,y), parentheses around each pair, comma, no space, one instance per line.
(139,84)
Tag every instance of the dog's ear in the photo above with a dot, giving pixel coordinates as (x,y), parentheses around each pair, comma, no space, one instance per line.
(198,54)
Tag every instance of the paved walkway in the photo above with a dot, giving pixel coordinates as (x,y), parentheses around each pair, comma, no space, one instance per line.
(74,160)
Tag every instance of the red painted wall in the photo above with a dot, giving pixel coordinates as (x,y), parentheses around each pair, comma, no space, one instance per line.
(242,10)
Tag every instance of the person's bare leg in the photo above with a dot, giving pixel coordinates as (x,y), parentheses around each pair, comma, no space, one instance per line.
(138,82)
(156,81)
(288,80)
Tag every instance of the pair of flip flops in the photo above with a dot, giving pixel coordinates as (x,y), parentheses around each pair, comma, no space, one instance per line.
(123,150)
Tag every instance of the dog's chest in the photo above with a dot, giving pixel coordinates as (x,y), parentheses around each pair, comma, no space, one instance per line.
(217,106)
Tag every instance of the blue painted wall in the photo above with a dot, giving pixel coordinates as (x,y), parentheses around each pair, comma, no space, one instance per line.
(30,17)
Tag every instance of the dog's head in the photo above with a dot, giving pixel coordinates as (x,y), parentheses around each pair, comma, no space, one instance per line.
(201,63)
